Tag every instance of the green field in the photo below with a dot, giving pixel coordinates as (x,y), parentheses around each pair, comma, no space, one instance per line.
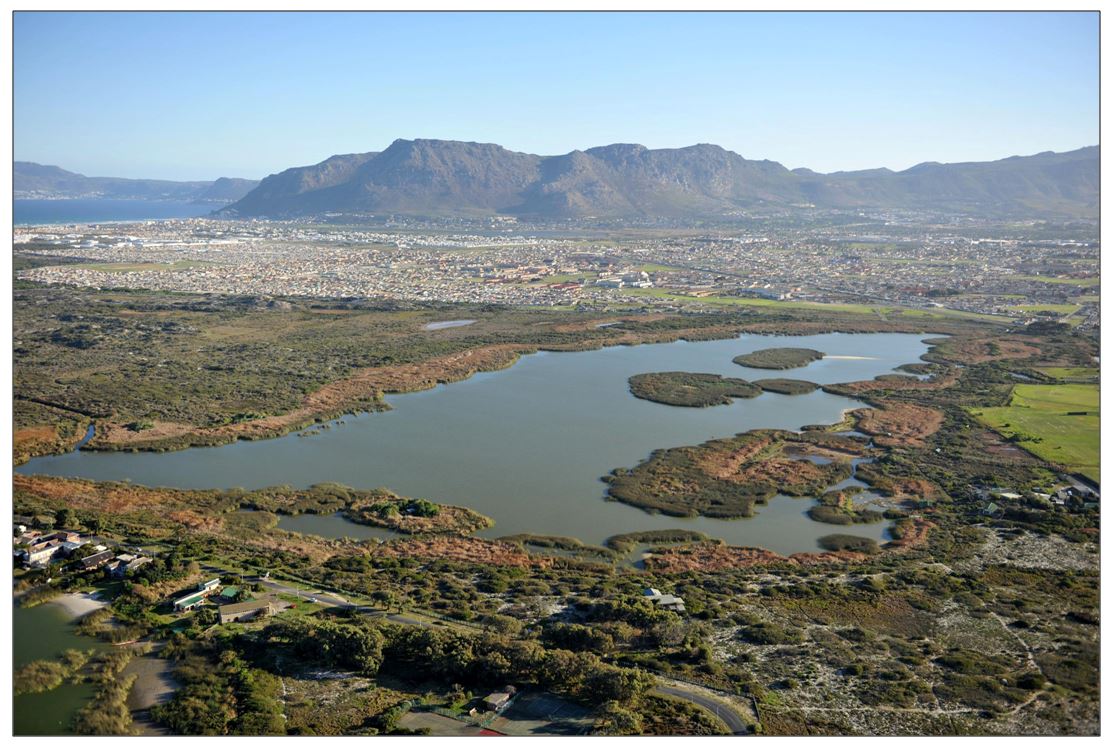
(1075,375)
(1060,308)
(1081,282)
(853,308)
(1056,422)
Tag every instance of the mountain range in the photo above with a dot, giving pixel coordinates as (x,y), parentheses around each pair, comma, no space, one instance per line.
(36,180)
(439,178)
(452,178)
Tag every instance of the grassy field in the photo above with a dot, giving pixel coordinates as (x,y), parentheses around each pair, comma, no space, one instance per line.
(1081,282)
(1056,422)
(853,308)
(1071,375)
(1061,308)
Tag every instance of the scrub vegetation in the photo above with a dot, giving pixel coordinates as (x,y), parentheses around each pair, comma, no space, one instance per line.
(786,386)
(838,507)
(778,358)
(725,478)
(683,389)
(979,616)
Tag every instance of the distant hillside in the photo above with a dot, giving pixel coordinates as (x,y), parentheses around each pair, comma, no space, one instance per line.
(226,189)
(439,177)
(37,180)
(1047,183)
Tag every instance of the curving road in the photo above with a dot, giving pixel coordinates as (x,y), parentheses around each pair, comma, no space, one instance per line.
(726,713)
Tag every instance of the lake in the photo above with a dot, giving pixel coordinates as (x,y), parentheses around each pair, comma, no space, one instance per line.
(44,632)
(55,212)
(527,446)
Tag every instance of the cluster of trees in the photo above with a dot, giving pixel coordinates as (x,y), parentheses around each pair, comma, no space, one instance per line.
(220,692)
(228,686)
(328,643)
(447,655)
(176,564)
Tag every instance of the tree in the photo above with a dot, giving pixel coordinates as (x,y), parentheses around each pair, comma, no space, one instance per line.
(612,719)
(615,683)
(65,518)
(95,523)
(205,617)
(667,632)
(565,670)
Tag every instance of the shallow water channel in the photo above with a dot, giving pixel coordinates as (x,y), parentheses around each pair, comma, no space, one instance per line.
(527,446)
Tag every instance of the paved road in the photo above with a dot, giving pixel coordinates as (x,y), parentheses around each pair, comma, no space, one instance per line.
(725,712)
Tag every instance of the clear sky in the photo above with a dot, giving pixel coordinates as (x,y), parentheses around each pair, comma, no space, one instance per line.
(201,95)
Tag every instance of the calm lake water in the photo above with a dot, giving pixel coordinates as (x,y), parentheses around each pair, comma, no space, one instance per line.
(333,526)
(44,632)
(48,212)
(527,446)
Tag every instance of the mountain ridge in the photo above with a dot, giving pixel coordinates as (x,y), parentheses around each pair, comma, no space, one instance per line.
(30,179)
(429,177)
(627,180)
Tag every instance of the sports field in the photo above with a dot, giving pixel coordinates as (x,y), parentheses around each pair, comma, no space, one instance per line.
(1056,422)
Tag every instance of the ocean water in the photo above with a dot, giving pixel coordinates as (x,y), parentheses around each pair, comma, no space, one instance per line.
(62,212)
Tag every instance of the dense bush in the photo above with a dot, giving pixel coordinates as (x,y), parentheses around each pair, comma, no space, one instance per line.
(778,358)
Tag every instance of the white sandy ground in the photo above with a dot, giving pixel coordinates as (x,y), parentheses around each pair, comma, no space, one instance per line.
(78,605)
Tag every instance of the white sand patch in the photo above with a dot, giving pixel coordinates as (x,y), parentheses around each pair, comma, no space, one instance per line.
(78,605)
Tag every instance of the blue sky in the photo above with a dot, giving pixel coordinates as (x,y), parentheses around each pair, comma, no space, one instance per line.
(201,95)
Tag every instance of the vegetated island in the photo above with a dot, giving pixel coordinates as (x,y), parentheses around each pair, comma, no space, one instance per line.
(724,478)
(683,389)
(786,386)
(848,543)
(377,507)
(778,358)
(624,543)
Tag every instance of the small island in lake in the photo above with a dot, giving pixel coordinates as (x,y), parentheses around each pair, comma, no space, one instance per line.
(725,478)
(786,386)
(683,389)
(838,507)
(848,543)
(377,507)
(778,358)
(414,515)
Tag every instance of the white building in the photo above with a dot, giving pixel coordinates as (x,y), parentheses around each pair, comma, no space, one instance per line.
(664,601)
